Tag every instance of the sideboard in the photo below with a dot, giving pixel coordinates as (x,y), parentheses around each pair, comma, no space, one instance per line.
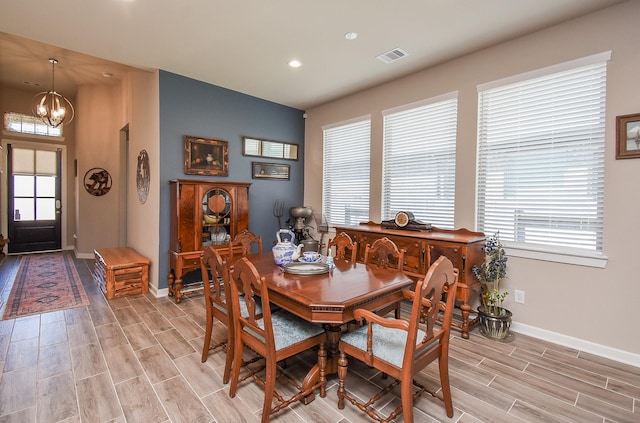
(462,246)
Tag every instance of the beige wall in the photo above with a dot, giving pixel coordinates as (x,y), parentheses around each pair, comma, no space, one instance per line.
(143,220)
(587,307)
(107,110)
(97,145)
(93,139)
(20,101)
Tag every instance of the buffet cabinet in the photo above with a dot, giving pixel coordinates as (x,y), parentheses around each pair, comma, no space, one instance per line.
(203,213)
(422,248)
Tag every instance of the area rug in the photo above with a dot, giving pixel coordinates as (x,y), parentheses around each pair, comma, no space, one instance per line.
(45,282)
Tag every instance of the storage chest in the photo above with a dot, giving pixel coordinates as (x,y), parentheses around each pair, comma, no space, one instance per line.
(121,271)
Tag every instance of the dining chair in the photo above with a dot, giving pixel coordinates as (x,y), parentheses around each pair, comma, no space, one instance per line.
(216,289)
(346,249)
(401,348)
(244,244)
(384,253)
(274,336)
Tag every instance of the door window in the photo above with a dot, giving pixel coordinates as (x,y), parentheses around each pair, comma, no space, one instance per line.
(34,184)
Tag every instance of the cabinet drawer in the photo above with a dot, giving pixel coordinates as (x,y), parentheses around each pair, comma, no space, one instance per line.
(453,253)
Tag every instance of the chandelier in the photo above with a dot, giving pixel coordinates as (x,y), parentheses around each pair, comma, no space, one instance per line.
(51,107)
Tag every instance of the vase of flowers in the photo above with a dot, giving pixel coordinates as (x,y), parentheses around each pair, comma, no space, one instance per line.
(495,320)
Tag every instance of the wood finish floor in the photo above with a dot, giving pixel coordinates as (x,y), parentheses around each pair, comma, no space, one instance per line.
(137,359)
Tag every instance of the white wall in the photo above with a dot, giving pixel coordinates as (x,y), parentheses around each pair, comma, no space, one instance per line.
(593,309)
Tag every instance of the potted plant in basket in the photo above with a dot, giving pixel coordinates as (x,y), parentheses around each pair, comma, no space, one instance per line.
(495,320)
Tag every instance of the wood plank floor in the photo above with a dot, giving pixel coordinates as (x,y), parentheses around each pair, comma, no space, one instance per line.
(137,359)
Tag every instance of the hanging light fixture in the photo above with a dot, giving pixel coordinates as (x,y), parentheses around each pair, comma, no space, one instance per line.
(52,108)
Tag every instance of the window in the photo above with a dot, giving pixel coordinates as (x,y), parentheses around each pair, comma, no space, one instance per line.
(541,158)
(34,175)
(26,124)
(419,168)
(267,148)
(346,172)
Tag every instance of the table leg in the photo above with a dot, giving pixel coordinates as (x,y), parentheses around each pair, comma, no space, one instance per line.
(332,354)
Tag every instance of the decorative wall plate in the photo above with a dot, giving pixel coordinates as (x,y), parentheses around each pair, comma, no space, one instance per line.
(142,176)
(97,181)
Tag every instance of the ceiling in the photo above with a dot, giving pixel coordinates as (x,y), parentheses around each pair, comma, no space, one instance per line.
(246,45)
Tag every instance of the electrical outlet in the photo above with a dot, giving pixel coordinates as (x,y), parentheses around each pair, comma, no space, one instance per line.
(519,297)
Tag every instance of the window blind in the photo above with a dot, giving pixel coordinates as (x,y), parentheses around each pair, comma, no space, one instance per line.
(419,160)
(541,160)
(346,172)
(26,124)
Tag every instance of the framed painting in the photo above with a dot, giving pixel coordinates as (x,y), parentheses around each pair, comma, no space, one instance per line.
(628,136)
(270,171)
(204,156)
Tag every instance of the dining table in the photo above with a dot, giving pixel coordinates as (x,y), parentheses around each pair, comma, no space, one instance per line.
(330,298)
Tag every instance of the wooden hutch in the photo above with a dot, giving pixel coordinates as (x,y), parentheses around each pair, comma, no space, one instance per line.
(461,246)
(203,213)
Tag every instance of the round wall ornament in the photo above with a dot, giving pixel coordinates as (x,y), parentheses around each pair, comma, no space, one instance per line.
(142,176)
(97,181)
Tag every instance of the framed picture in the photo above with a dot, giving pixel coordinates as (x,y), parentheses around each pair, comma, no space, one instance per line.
(270,171)
(628,136)
(205,156)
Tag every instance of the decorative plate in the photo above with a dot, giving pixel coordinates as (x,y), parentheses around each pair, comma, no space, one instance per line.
(142,176)
(97,181)
(306,268)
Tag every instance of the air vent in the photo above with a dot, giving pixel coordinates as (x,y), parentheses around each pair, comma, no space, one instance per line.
(393,55)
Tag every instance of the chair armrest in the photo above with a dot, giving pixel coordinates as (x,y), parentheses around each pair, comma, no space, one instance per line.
(409,295)
(371,317)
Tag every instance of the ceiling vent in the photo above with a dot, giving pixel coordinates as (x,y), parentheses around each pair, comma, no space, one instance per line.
(393,55)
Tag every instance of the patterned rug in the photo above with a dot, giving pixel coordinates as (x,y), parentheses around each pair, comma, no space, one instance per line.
(45,282)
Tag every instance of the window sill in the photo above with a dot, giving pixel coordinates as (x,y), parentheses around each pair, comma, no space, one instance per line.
(598,261)
(31,137)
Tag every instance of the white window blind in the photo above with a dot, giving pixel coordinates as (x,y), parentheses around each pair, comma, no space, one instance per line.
(419,164)
(541,160)
(346,172)
(26,124)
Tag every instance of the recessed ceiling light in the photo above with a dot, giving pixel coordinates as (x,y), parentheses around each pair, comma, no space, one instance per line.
(295,63)
(351,36)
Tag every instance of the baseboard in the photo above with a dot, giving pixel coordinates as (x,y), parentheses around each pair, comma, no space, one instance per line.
(164,292)
(85,256)
(579,344)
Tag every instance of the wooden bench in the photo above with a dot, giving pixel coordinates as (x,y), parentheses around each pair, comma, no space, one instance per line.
(120,272)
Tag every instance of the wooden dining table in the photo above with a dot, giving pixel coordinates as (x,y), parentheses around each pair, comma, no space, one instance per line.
(331,298)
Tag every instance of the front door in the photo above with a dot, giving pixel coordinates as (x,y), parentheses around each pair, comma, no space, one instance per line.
(34,201)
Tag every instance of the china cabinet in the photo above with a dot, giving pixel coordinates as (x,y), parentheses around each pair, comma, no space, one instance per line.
(461,246)
(203,213)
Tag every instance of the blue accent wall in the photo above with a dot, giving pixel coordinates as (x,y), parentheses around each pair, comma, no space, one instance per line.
(190,107)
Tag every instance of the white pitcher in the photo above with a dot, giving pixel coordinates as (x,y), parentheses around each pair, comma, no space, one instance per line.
(284,252)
